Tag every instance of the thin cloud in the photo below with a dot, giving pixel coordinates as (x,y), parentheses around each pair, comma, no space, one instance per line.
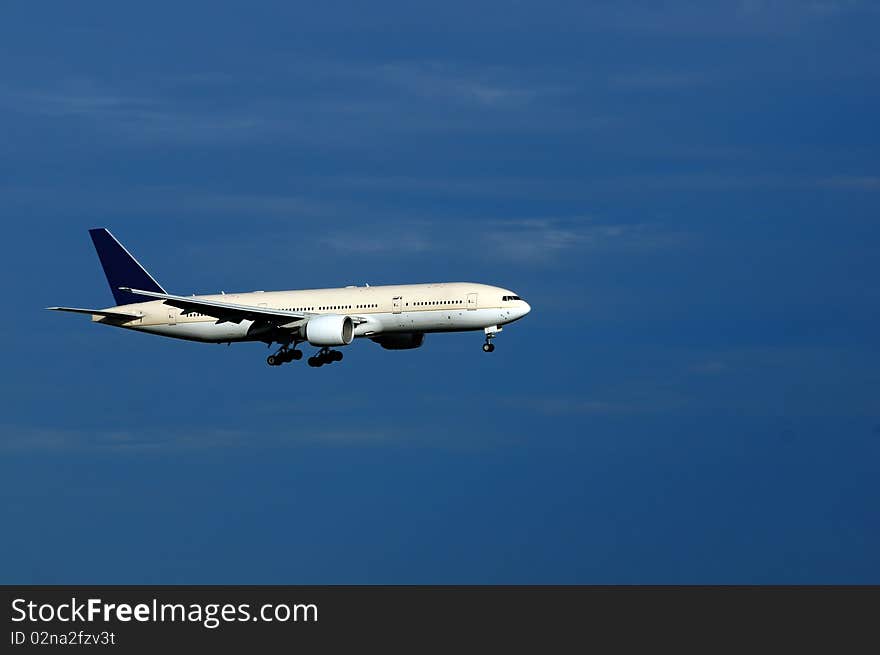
(530,241)
(183,438)
(661,80)
(722,19)
(860,182)
(538,240)
(835,7)
(75,98)
(189,438)
(331,103)
(586,406)
(709,367)
(376,242)
(489,87)
(260,204)
(134,116)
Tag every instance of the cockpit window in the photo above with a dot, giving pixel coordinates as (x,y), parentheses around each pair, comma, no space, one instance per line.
(511,298)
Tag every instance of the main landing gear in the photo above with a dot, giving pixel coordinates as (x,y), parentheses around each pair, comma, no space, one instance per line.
(325,356)
(286,354)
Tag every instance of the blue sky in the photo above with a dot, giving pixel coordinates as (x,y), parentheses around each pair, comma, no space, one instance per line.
(687,196)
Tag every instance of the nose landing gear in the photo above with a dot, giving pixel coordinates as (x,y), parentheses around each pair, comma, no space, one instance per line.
(491,332)
(325,356)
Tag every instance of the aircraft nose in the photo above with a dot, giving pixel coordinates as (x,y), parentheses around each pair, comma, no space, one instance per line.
(526,308)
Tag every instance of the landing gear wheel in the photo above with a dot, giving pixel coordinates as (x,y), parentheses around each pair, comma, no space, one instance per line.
(488,347)
(272,360)
(296,355)
(323,356)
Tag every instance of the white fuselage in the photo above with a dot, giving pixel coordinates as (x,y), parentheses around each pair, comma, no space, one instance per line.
(440,307)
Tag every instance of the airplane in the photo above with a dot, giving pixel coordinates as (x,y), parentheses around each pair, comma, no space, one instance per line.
(397,317)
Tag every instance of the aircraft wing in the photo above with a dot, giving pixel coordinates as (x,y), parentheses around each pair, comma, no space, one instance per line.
(98,312)
(229,312)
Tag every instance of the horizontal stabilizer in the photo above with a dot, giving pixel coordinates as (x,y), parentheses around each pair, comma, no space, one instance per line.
(96,312)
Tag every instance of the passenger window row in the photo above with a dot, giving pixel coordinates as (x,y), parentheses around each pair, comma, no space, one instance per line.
(421,303)
(326,308)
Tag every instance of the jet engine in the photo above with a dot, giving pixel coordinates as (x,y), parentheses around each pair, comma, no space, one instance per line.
(401,340)
(329,330)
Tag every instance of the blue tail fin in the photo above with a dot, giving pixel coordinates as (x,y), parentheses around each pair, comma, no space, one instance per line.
(121,269)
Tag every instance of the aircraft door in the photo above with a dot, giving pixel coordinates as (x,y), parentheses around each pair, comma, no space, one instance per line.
(471,301)
(172,315)
(395,304)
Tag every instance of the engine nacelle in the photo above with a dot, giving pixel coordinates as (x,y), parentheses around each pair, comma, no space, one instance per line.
(329,330)
(401,340)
